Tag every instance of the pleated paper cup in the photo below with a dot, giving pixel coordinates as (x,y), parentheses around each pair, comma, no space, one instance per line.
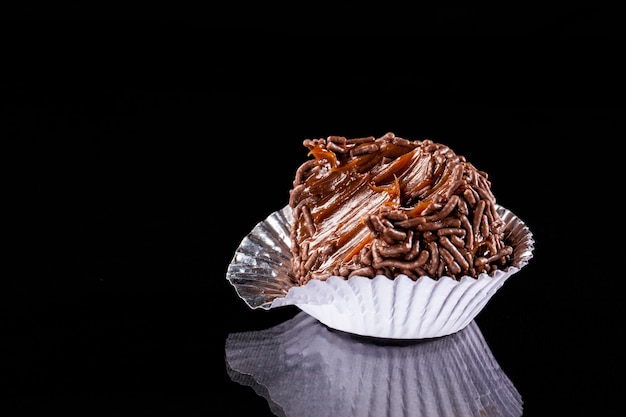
(399,308)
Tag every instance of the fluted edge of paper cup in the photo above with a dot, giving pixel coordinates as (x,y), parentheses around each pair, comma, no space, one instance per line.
(399,308)
(260,270)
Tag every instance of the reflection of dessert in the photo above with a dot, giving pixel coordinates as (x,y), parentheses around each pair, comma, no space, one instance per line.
(304,369)
(390,206)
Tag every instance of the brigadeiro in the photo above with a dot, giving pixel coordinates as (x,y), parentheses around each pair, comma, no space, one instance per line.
(384,237)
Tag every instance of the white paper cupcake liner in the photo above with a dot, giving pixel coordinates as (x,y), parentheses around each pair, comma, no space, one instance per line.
(304,369)
(380,307)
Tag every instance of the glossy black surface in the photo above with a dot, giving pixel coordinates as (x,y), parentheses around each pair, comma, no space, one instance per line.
(147,149)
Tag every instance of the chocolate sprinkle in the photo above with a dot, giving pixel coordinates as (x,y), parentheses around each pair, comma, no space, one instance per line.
(389,206)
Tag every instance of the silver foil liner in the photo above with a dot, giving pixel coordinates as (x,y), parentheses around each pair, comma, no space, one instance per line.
(303,368)
(400,308)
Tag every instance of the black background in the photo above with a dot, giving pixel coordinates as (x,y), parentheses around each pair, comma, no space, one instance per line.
(143,145)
